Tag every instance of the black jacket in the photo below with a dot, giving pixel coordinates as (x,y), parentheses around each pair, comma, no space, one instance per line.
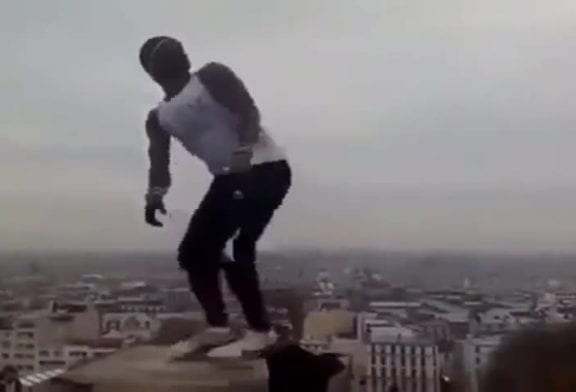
(293,369)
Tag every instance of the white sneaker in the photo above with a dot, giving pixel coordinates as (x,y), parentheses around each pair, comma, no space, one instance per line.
(200,343)
(250,346)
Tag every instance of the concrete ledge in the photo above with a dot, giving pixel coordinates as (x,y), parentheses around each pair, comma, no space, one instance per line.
(146,369)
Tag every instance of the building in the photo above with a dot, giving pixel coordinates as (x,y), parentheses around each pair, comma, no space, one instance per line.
(460,323)
(328,304)
(383,306)
(179,299)
(18,346)
(412,365)
(371,326)
(325,324)
(474,353)
(38,341)
(496,320)
(80,350)
(324,285)
(385,354)
(38,382)
(141,304)
(356,354)
(437,329)
(131,326)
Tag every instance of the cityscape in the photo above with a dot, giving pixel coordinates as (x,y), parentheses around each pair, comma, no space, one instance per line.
(288,196)
(393,323)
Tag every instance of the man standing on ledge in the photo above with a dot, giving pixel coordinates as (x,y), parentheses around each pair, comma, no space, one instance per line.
(212,114)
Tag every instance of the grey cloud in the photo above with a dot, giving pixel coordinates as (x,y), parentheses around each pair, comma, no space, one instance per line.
(462,107)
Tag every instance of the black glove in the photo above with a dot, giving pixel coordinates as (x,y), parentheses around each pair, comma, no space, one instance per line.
(154,203)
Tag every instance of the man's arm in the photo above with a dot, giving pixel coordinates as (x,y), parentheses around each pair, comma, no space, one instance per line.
(159,179)
(228,90)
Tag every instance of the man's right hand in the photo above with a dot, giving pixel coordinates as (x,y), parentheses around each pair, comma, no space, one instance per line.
(154,203)
(240,162)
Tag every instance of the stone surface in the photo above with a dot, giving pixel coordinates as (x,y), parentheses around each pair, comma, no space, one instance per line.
(147,368)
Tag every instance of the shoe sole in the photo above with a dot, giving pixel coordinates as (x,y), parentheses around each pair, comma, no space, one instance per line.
(199,354)
(245,356)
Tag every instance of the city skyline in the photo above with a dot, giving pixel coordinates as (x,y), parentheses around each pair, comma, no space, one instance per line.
(418,337)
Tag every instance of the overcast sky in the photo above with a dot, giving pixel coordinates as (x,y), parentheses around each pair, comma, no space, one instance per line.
(411,124)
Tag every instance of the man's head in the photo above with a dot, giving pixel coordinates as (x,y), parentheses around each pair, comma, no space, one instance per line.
(164,59)
(539,359)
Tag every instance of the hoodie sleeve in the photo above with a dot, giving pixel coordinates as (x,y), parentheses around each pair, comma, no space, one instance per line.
(159,179)
(229,91)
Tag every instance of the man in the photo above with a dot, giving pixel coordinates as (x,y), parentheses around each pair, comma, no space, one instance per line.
(291,368)
(213,116)
(540,358)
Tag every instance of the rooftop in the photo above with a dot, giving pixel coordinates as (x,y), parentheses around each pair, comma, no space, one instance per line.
(146,368)
(97,343)
(455,317)
(174,329)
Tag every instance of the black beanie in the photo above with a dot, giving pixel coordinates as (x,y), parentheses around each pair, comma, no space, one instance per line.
(163,58)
